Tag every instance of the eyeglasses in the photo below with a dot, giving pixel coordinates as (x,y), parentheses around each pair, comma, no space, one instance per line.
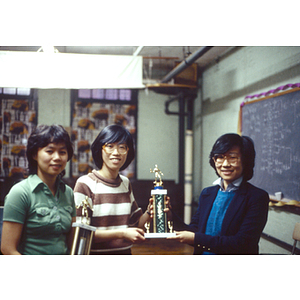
(231,158)
(110,148)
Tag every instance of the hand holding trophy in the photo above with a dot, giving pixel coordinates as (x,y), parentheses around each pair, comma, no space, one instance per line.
(84,232)
(160,221)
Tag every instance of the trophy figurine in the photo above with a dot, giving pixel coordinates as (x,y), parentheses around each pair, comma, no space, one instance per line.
(83,236)
(160,221)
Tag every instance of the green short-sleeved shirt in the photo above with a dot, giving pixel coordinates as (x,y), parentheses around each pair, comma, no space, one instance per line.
(47,219)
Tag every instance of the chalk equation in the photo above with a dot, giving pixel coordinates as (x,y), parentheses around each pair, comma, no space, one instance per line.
(274,126)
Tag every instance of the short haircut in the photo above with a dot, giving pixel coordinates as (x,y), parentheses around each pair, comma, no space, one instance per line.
(42,136)
(246,145)
(112,134)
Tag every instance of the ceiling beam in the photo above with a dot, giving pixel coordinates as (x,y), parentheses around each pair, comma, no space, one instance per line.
(138,50)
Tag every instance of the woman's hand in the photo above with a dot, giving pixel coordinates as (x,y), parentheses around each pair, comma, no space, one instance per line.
(168,207)
(150,208)
(186,237)
(166,210)
(134,235)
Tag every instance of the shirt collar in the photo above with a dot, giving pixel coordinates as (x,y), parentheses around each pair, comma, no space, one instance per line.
(232,186)
(110,182)
(35,181)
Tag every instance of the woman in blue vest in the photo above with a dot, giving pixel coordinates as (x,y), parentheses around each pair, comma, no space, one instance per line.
(232,213)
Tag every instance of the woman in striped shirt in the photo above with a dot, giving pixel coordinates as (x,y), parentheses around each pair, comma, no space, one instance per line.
(116,215)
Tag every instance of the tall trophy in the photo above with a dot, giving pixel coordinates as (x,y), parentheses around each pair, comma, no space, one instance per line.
(83,236)
(161,227)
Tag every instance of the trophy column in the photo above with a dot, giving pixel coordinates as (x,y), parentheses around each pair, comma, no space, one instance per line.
(160,221)
(160,218)
(83,235)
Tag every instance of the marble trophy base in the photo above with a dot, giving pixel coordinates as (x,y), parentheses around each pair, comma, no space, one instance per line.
(159,235)
(84,226)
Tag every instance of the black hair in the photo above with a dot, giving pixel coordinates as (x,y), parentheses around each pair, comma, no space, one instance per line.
(225,142)
(42,136)
(112,134)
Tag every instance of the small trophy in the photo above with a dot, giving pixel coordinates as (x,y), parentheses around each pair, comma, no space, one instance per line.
(83,236)
(160,221)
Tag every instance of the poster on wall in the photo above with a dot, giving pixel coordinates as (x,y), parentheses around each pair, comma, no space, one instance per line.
(88,119)
(17,121)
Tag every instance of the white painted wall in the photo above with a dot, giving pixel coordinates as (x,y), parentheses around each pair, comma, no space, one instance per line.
(158,137)
(54,107)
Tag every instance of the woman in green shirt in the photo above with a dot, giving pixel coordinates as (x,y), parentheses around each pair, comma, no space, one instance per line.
(39,211)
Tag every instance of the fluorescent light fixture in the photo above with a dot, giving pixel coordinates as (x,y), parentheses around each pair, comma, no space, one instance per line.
(70,71)
(48,49)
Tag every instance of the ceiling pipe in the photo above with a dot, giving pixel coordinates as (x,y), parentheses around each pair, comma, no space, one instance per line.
(185,142)
(186,63)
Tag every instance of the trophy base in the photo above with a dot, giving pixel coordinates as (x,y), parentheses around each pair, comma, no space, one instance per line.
(159,235)
(82,240)
(84,226)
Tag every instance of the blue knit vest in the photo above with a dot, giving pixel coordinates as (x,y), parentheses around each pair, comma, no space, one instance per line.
(217,213)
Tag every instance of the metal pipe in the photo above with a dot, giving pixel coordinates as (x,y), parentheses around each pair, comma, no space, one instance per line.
(185,63)
(181,143)
(185,153)
(188,166)
(167,104)
(185,150)
(188,176)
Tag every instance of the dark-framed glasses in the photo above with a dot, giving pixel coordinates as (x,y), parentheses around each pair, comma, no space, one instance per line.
(110,148)
(231,158)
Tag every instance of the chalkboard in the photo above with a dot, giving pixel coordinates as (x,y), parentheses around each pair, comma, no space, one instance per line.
(274,125)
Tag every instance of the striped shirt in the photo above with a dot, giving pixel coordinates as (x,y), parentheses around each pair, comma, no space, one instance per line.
(114,207)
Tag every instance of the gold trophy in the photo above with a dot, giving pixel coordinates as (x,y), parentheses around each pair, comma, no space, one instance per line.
(83,236)
(162,228)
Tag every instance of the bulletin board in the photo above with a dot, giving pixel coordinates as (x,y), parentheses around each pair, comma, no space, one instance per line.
(92,112)
(273,122)
(18,118)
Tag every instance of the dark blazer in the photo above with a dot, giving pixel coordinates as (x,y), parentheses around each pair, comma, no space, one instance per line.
(242,226)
